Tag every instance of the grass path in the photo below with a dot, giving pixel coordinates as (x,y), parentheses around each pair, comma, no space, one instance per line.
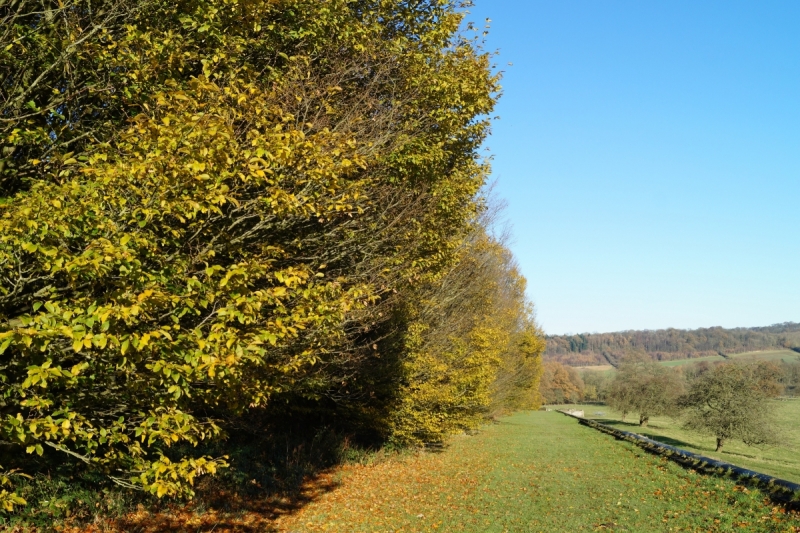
(535,472)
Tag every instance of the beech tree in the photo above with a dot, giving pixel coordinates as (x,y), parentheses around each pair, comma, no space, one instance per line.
(209,208)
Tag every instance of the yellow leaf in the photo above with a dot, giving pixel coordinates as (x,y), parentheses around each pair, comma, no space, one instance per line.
(143,341)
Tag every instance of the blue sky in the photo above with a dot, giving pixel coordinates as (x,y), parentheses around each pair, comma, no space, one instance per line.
(649,153)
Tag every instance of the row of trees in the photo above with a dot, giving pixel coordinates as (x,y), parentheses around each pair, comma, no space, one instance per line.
(212,211)
(596,386)
(726,400)
(668,344)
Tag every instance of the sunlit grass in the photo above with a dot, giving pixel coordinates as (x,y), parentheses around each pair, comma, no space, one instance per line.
(536,472)
(789,356)
(782,461)
(681,362)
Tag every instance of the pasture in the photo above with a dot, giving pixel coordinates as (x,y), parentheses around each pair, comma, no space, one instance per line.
(535,471)
(781,461)
(788,356)
(682,362)
(776,356)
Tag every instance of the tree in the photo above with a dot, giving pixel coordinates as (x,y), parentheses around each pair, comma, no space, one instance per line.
(644,387)
(728,402)
(472,347)
(210,208)
(768,375)
(596,384)
(560,384)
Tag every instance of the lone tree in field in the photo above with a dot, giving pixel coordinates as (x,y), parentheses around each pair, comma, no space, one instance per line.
(643,386)
(730,402)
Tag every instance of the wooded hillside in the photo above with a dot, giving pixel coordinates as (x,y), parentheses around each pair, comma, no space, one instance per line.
(668,344)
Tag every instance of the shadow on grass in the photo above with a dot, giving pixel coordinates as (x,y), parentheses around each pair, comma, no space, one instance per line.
(617,423)
(275,470)
(667,440)
(221,511)
(633,427)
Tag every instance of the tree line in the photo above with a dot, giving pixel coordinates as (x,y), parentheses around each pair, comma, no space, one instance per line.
(727,400)
(213,212)
(668,344)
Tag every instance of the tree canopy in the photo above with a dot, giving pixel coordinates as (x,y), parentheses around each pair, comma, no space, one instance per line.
(210,208)
(730,402)
(644,387)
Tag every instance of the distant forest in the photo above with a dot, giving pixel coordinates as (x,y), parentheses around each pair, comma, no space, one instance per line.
(669,344)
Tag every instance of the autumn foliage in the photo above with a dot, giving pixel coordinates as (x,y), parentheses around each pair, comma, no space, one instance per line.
(560,384)
(211,208)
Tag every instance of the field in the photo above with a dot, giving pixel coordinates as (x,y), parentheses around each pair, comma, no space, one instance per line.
(681,362)
(767,355)
(531,472)
(789,356)
(781,461)
(595,368)
(536,472)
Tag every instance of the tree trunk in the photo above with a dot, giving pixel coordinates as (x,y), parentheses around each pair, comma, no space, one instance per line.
(720,442)
(643,420)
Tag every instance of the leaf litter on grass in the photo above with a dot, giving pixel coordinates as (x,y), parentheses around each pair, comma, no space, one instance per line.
(537,472)
(530,472)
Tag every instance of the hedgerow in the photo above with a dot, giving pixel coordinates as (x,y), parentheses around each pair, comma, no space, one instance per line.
(210,207)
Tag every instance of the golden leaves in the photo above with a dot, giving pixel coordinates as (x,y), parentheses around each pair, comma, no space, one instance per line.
(175,256)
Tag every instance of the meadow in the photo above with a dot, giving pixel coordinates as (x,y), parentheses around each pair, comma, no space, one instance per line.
(530,472)
(781,461)
(682,362)
(536,471)
(788,356)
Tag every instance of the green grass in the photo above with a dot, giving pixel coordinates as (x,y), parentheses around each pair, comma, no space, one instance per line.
(681,362)
(537,471)
(782,461)
(789,356)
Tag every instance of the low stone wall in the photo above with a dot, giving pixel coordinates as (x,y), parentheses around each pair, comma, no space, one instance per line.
(787,489)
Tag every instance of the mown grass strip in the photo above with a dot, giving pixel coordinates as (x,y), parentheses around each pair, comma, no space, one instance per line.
(537,471)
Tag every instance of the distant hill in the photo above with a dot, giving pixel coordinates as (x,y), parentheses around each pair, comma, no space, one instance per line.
(668,344)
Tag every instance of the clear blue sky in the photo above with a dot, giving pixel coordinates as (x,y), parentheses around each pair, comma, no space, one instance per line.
(649,153)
